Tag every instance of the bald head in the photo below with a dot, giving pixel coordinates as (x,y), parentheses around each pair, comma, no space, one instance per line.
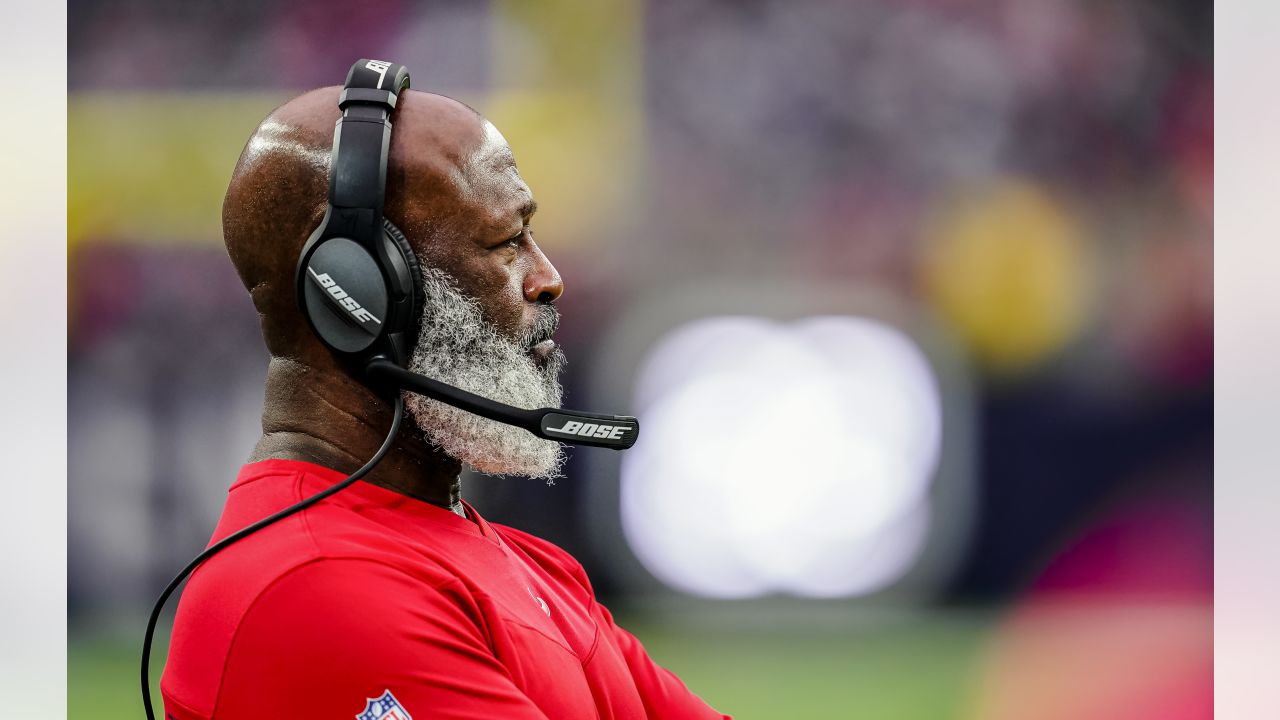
(451,184)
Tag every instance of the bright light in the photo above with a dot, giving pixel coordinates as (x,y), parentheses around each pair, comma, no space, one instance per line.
(782,458)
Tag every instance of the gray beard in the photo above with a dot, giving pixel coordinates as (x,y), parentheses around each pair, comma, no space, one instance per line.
(456,345)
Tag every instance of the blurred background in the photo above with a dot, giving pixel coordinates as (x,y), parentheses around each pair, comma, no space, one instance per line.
(913,298)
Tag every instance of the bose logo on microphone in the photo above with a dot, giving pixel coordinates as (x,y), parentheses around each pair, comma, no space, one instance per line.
(573,427)
(345,300)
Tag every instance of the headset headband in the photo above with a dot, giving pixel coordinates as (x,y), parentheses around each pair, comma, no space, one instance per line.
(361,144)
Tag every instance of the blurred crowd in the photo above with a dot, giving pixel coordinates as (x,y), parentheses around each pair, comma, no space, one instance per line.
(1033,176)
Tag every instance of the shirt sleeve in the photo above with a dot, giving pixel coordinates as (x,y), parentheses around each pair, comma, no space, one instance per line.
(663,694)
(329,636)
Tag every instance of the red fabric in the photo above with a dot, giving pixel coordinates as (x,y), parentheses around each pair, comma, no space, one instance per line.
(371,591)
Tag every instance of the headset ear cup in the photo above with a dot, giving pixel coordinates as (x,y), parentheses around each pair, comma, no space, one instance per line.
(343,295)
(401,242)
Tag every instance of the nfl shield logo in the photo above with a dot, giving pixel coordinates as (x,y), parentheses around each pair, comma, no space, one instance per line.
(383,707)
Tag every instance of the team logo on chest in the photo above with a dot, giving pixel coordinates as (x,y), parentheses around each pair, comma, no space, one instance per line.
(541,603)
(384,707)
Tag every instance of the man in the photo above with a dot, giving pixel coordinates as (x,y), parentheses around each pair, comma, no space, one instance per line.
(394,599)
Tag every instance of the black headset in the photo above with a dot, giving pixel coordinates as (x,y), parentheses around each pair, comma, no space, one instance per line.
(358,282)
(359,286)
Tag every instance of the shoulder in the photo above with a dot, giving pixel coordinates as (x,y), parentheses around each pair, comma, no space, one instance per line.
(346,592)
(333,596)
(329,633)
(324,612)
(337,611)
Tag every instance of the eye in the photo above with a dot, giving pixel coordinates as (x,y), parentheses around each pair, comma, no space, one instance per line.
(511,243)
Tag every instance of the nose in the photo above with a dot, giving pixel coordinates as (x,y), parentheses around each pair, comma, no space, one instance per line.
(542,283)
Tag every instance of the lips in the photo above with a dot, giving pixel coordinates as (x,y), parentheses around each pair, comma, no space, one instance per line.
(541,351)
(540,346)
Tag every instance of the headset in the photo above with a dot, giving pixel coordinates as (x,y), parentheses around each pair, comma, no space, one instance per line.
(359,285)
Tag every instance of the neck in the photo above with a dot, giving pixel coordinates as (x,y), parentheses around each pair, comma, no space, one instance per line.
(323,416)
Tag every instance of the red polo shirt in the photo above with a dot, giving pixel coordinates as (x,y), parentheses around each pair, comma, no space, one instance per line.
(377,606)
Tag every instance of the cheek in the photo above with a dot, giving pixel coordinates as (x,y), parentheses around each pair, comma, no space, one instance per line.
(498,292)
(505,309)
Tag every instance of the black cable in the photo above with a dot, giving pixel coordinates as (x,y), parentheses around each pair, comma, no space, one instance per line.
(245,532)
